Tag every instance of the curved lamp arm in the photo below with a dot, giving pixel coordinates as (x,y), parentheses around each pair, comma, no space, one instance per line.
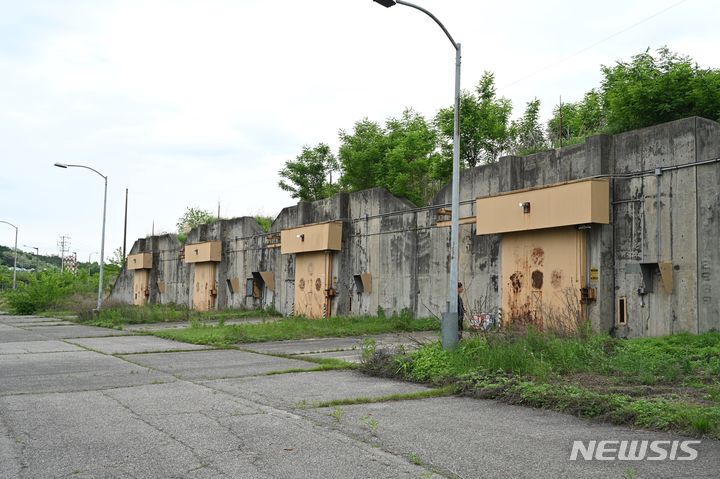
(64,165)
(15,256)
(102,244)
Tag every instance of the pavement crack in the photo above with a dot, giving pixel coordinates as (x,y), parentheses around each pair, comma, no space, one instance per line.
(198,457)
(13,441)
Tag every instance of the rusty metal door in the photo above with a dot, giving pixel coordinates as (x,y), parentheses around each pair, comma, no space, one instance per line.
(311,274)
(204,287)
(542,273)
(141,290)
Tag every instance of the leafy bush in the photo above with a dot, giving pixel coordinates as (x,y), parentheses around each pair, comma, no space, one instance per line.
(50,289)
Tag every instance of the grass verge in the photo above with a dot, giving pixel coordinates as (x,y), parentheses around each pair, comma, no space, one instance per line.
(295,328)
(668,383)
(119,316)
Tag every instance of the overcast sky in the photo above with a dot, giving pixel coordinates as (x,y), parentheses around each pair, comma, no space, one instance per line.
(191,103)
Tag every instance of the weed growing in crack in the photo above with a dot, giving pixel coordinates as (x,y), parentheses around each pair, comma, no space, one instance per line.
(369,347)
(629,474)
(337,414)
(371,423)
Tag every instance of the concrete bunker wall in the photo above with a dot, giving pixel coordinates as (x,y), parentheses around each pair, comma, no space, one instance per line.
(403,254)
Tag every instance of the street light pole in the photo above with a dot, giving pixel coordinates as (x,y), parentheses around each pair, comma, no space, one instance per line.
(102,243)
(15,257)
(37,259)
(450,317)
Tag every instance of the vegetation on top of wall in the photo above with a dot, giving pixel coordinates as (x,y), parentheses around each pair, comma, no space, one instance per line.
(648,90)
(265,222)
(669,383)
(412,157)
(192,218)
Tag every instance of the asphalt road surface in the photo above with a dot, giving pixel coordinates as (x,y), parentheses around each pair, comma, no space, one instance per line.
(84,402)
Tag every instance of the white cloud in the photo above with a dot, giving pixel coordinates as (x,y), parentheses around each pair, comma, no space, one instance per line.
(186,102)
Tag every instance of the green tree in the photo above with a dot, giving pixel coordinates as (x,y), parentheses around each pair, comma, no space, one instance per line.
(192,218)
(572,122)
(361,154)
(528,136)
(50,289)
(117,259)
(309,177)
(401,157)
(484,125)
(655,89)
(265,222)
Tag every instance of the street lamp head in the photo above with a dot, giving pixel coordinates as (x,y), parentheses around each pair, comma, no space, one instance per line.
(61,165)
(385,3)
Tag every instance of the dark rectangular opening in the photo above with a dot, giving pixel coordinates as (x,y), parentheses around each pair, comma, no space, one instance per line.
(254,286)
(358,283)
(622,311)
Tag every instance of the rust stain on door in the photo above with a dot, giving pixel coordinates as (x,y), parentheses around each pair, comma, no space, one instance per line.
(205,287)
(527,258)
(537,279)
(311,283)
(538,256)
(141,290)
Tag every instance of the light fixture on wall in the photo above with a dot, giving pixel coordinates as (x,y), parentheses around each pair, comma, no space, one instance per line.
(525,207)
(301,237)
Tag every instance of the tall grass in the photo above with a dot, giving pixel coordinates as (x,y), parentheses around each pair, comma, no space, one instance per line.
(541,356)
(668,383)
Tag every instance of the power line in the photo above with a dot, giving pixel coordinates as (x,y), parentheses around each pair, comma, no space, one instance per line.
(583,50)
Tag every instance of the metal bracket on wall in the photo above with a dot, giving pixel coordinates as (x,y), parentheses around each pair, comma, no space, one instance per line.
(666,276)
(664,269)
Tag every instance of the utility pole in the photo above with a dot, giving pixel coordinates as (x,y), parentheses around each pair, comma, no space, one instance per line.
(561,125)
(125,229)
(64,245)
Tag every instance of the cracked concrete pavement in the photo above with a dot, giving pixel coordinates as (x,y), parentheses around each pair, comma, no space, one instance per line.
(83,402)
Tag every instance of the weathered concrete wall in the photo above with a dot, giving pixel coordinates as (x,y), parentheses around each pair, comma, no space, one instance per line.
(673,216)
(708,225)
(656,219)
